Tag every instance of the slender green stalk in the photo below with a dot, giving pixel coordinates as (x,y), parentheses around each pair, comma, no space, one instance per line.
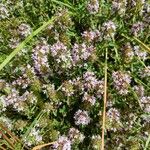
(116,51)
(21,45)
(147,143)
(138,41)
(136,97)
(140,82)
(41,113)
(142,44)
(126,37)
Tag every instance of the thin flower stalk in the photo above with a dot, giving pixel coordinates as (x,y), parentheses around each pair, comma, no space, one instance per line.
(105,103)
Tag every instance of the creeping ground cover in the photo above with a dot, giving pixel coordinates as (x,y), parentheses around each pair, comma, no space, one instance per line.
(74,75)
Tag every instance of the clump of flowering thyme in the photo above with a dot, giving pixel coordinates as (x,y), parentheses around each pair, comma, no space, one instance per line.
(119,6)
(40,58)
(75,135)
(53,89)
(14,42)
(81,118)
(121,82)
(4,13)
(61,54)
(63,143)
(128,53)
(140,53)
(81,52)
(91,36)
(137,28)
(24,30)
(93,6)
(109,29)
(34,137)
(145,72)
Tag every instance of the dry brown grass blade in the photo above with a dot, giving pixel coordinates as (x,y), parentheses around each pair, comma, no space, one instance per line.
(8,136)
(10,133)
(43,145)
(2,148)
(7,139)
(104,107)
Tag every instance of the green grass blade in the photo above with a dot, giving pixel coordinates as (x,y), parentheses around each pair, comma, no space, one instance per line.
(21,45)
(147,143)
(136,97)
(139,42)
(63,4)
(41,113)
(142,44)
(140,82)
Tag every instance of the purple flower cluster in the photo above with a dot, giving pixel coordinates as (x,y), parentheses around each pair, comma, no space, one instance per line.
(127,52)
(61,54)
(40,58)
(119,6)
(14,42)
(113,118)
(81,52)
(145,101)
(140,53)
(14,99)
(121,82)
(91,83)
(65,142)
(34,136)
(4,13)
(137,28)
(74,134)
(139,90)
(26,78)
(109,29)
(81,117)
(24,30)
(25,101)
(57,49)
(90,36)
(145,72)
(90,87)
(88,99)
(68,88)
(22,81)
(93,6)
(113,114)
(62,143)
